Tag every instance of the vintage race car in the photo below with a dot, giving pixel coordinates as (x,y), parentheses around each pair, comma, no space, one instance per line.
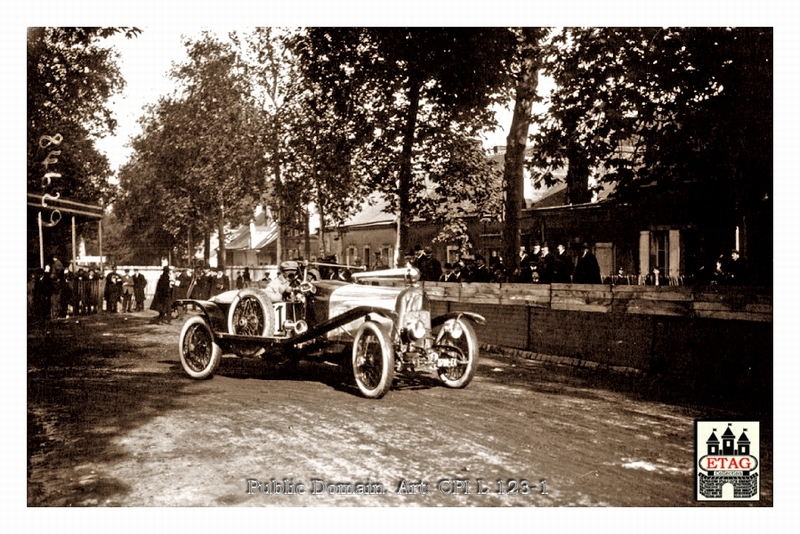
(382,323)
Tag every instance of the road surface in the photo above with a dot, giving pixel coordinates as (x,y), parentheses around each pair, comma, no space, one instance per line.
(113,421)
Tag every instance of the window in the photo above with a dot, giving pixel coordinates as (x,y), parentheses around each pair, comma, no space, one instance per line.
(659,250)
(452,254)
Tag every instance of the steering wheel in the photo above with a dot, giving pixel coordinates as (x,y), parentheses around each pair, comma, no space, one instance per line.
(307,287)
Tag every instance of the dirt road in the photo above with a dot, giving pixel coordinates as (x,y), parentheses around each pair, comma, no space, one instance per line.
(113,421)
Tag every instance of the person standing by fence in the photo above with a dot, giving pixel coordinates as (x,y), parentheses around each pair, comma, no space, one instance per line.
(162,300)
(112,290)
(41,292)
(562,266)
(127,291)
(139,284)
(587,271)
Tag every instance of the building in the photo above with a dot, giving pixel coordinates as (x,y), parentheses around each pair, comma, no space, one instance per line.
(369,234)
(665,238)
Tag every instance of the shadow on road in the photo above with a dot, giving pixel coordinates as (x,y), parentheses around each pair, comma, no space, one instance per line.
(88,385)
(713,396)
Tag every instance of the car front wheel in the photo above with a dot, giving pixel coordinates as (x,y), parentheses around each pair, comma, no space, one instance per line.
(373,360)
(458,346)
(200,356)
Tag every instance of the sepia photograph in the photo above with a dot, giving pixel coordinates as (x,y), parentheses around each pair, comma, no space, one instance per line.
(458,264)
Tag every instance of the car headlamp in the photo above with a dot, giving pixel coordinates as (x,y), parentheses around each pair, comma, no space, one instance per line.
(455,330)
(418,329)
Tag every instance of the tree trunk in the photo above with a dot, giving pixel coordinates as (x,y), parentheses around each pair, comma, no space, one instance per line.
(276,169)
(221,232)
(577,176)
(190,249)
(514,169)
(404,187)
(321,208)
(307,234)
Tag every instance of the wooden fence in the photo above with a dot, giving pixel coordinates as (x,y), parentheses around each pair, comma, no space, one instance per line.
(709,302)
(716,338)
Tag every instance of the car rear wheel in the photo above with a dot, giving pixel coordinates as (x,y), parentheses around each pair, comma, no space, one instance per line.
(251,314)
(458,345)
(200,356)
(373,360)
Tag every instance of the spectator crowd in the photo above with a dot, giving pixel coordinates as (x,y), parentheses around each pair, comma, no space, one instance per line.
(54,292)
(540,266)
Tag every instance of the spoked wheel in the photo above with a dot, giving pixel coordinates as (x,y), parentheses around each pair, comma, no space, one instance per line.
(200,356)
(373,360)
(458,345)
(251,314)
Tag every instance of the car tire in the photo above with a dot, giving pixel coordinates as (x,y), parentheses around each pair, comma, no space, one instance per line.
(200,355)
(373,360)
(251,314)
(467,354)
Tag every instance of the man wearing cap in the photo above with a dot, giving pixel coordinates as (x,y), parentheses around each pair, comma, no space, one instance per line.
(378,265)
(281,285)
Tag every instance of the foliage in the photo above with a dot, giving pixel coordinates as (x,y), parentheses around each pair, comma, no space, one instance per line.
(523,74)
(334,120)
(418,90)
(199,160)
(71,76)
(662,107)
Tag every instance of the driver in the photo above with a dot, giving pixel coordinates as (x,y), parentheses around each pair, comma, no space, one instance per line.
(282,285)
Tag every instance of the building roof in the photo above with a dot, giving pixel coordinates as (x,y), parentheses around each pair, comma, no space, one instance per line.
(556,195)
(255,236)
(372,213)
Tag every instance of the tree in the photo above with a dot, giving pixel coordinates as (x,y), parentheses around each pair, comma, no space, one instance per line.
(663,107)
(311,135)
(421,88)
(199,162)
(336,121)
(70,78)
(524,79)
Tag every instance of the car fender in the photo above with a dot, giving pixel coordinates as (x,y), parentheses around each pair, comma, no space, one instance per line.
(470,316)
(216,318)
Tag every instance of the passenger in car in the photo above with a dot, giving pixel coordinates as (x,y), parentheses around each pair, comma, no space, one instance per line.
(281,285)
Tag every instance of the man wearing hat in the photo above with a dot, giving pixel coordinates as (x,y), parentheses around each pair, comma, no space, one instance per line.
(545,265)
(281,285)
(734,270)
(587,271)
(430,269)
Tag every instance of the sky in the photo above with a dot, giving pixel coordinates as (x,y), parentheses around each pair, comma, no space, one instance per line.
(145,62)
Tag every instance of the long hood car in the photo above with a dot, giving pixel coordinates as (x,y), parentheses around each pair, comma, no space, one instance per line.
(382,321)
